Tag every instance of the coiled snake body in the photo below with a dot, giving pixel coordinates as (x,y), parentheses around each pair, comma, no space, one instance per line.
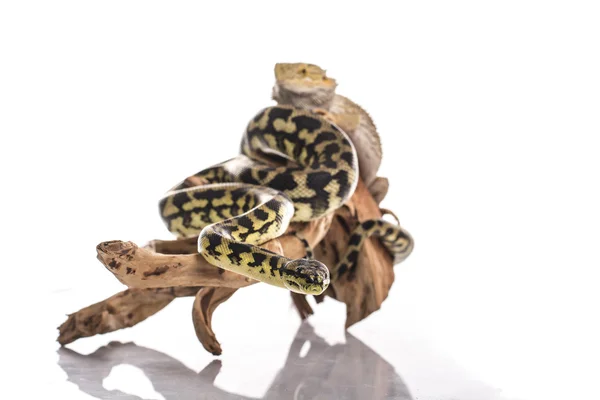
(294,166)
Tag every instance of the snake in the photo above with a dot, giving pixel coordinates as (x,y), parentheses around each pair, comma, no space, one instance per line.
(294,166)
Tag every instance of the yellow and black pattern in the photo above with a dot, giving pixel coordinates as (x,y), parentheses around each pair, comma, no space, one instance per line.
(294,166)
(396,240)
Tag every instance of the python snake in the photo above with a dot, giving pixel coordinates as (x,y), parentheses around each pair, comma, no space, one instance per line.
(294,166)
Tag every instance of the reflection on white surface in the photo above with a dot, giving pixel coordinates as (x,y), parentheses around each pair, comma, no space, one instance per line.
(313,370)
(129,379)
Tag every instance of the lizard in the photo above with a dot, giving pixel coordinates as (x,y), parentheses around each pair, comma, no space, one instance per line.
(307,86)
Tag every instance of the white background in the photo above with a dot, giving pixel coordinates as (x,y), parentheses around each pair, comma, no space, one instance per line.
(489,114)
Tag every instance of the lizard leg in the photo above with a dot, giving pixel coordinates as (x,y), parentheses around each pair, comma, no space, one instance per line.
(325,114)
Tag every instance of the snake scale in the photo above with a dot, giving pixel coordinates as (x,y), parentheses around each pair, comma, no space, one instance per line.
(294,166)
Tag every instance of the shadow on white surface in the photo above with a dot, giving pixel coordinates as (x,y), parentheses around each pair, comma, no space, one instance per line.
(313,370)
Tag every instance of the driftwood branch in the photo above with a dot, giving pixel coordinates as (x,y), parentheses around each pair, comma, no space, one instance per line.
(163,270)
(207,300)
(143,268)
(122,310)
(140,268)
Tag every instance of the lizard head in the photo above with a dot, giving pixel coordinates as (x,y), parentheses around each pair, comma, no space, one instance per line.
(303,85)
(302,75)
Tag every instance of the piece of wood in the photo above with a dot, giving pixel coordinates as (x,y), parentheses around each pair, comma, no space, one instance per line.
(123,310)
(143,268)
(138,268)
(156,278)
(206,301)
(163,270)
(178,246)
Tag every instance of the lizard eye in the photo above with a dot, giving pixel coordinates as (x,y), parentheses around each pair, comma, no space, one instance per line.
(303,70)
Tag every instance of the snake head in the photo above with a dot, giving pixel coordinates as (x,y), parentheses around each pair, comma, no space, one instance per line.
(305,276)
